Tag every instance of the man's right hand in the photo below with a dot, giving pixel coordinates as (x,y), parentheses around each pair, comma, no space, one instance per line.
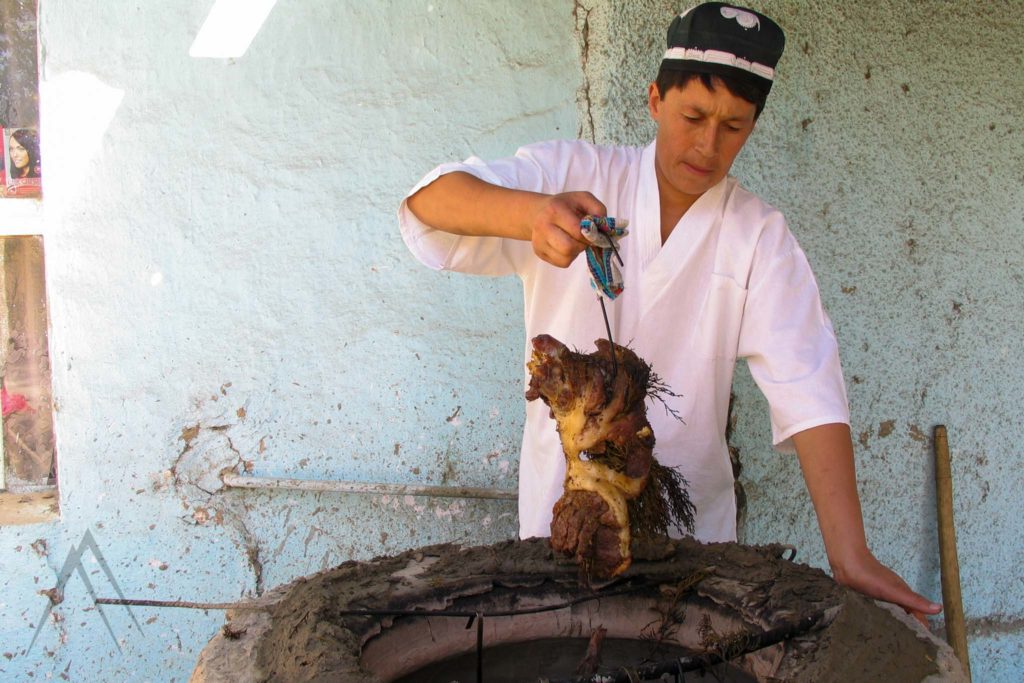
(555,227)
(463,204)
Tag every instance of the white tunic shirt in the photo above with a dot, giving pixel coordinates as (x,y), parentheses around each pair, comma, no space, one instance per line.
(730,282)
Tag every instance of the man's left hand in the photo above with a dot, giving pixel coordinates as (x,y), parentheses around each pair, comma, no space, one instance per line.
(867,575)
(826,458)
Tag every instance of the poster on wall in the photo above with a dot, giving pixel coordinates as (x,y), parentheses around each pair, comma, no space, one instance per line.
(22,166)
(21,170)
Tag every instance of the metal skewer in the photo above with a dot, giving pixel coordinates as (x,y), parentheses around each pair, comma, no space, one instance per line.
(608,329)
(615,250)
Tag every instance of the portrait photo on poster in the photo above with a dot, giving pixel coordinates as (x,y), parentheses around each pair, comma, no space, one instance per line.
(22,163)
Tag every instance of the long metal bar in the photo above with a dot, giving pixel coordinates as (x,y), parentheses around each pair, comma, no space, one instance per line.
(186,604)
(235,480)
(630,588)
(608,327)
(479,648)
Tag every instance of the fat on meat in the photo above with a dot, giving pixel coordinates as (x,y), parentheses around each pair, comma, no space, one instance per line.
(599,407)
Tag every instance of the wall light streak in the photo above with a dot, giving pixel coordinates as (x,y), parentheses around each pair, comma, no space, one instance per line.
(230,28)
(80,110)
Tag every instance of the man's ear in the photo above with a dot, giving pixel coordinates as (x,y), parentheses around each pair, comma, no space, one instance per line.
(653,100)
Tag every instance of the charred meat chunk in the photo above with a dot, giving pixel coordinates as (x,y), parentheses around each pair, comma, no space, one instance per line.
(599,408)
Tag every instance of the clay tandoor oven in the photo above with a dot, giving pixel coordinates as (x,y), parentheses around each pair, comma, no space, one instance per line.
(682,604)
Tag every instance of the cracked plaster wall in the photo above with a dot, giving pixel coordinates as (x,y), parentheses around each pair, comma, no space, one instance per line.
(228,289)
(893,143)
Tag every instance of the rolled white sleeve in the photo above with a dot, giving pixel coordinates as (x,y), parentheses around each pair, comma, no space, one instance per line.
(790,346)
(484,255)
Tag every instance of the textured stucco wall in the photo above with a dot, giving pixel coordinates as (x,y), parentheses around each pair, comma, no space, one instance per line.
(893,142)
(227,285)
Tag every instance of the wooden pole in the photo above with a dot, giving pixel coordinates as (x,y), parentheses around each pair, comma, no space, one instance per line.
(952,601)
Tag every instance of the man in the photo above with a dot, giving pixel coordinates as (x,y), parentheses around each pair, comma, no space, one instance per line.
(712,274)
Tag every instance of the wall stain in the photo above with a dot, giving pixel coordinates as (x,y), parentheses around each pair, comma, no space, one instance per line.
(55,595)
(40,548)
(582,16)
(886,428)
(251,545)
(209,451)
(917,435)
(997,624)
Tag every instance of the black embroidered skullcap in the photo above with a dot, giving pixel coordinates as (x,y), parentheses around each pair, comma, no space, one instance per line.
(724,40)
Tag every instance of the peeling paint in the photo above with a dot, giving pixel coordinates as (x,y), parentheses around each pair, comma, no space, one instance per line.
(40,547)
(917,435)
(188,434)
(581,14)
(455,508)
(55,595)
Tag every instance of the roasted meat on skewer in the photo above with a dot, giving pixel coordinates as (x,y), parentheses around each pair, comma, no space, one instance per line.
(612,482)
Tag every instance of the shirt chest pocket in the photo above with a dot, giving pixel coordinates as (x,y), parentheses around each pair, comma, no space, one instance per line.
(720,318)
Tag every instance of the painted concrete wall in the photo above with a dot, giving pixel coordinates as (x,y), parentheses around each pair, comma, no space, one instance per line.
(227,285)
(893,143)
(228,288)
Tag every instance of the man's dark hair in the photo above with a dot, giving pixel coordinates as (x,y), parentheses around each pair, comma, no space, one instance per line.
(742,88)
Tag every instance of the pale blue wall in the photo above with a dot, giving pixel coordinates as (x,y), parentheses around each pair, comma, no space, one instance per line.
(893,141)
(223,254)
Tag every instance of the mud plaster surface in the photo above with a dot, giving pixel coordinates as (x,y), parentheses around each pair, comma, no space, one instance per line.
(297,633)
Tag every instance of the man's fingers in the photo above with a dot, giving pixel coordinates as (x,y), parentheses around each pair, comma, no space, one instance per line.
(896,591)
(901,594)
(881,583)
(577,205)
(556,230)
(567,221)
(920,618)
(558,247)
(587,205)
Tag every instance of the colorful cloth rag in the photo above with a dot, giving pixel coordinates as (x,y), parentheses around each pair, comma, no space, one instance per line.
(603,260)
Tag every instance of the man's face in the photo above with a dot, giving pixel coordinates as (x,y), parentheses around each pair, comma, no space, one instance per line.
(700,132)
